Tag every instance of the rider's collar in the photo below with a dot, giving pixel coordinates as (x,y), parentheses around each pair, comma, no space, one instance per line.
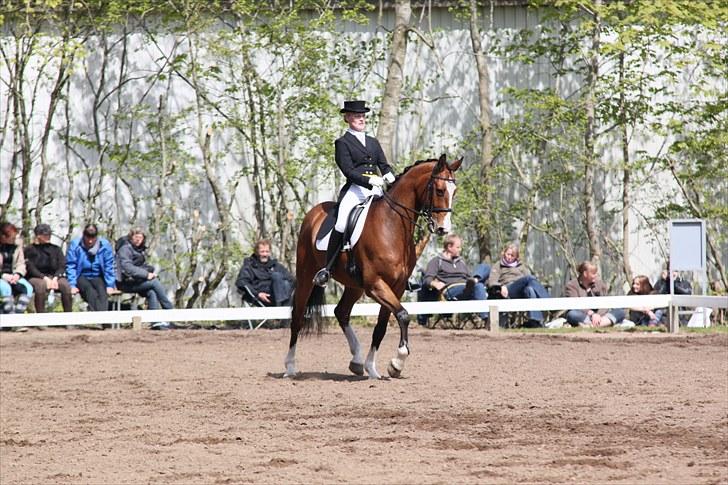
(360,135)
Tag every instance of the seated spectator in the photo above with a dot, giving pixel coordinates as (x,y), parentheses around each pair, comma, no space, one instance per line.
(264,278)
(513,280)
(12,271)
(662,287)
(589,284)
(449,275)
(642,315)
(90,268)
(134,275)
(47,270)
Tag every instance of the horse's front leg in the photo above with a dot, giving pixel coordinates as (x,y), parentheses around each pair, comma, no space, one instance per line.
(383,294)
(397,363)
(343,315)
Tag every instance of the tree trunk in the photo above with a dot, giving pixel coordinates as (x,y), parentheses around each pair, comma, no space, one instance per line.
(395,78)
(626,201)
(590,161)
(486,140)
(62,78)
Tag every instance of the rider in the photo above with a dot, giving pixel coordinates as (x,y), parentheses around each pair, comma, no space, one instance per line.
(358,157)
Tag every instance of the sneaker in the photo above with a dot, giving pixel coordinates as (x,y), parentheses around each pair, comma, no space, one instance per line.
(161,326)
(557,323)
(625,324)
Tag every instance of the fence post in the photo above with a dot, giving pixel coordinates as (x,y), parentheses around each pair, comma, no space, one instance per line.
(674,318)
(136,323)
(494,318)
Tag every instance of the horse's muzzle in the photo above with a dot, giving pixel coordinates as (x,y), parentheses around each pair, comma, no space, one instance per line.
(441,231)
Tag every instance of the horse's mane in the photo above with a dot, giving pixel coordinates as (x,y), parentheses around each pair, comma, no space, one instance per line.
(418,162)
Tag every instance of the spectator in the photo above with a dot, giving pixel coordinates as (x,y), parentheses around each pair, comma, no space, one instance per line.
(662,287)
(90,268)
(268,280)
(12,271)
(589,284)
(513,280)
(134,275)
(47,270)
(642,315)
(448,274)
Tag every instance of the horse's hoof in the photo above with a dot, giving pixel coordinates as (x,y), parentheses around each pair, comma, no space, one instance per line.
(290,372)
(393,371)
(357,369)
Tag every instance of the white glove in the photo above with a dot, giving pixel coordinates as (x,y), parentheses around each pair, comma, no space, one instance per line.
(376,181)
(389,177)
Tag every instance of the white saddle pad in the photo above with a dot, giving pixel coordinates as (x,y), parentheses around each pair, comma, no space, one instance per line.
(323,243)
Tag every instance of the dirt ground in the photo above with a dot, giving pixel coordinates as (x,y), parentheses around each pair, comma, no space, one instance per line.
(197,406)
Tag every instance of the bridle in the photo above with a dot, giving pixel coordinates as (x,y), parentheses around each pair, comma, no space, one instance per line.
(428,211)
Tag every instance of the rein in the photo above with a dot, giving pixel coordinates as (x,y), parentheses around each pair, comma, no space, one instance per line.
(428,211)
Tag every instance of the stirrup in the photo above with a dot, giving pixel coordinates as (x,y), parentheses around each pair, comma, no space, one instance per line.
(322,277)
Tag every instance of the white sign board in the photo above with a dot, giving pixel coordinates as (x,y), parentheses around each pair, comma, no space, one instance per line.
(687,245)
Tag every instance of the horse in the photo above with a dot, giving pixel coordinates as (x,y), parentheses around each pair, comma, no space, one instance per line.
(385,255)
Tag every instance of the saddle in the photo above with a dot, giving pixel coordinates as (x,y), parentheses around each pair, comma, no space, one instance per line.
(354,227)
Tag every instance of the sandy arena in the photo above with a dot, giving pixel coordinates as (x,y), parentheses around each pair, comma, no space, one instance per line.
(196,406)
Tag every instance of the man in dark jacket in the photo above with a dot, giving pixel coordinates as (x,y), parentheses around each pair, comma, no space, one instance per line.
(449,274)
(46,269)
(269,281)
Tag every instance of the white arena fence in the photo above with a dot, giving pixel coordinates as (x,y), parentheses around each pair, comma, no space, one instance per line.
(494,307)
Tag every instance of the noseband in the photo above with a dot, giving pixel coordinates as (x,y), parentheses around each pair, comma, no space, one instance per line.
(429,210)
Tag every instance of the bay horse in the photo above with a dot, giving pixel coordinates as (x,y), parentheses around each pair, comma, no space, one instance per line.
(385,255)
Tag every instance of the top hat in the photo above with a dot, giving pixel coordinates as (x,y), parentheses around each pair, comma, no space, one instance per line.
(354,107)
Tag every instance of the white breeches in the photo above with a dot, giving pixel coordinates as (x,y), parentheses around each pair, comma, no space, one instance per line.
(355,195)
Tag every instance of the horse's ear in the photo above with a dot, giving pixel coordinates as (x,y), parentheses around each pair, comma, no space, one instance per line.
(441,164)
(456,164)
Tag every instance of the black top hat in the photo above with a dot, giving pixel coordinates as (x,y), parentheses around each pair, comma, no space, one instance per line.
(354,107)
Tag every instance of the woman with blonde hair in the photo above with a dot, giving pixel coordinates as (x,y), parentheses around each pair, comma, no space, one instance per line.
(513,280)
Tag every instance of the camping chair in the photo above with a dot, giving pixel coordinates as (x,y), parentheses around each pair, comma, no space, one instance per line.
(250,299)
(448,320)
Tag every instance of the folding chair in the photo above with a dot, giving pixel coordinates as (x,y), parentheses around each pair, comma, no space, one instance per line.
(446,320)
(250,299)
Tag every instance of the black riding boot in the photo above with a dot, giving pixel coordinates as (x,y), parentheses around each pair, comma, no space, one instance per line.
(332,251)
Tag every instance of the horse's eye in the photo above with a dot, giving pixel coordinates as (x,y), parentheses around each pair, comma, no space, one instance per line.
(440,192)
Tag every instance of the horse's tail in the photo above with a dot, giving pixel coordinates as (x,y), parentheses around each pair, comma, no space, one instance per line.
(313,317)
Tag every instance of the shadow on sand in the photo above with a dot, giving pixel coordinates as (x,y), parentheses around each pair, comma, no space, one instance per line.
(320,376)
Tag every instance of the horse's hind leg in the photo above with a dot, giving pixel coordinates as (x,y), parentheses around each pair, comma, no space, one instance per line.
(300,298)
(343,315)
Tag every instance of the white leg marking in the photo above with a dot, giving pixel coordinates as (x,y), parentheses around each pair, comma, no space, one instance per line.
(354,345)
(397,364)
(290,362)
(371,365)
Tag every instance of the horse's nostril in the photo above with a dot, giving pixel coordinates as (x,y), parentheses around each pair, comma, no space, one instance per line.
(441,231)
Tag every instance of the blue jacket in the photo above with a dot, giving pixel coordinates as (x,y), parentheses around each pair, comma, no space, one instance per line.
(80,263)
